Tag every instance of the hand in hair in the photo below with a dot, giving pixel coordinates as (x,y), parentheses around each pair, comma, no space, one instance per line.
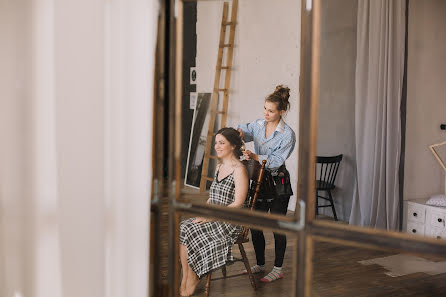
(250,155)
(242,134)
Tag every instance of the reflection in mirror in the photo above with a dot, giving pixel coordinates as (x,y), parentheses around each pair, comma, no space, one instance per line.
(335,171)
(351,271)
(197,140)
(223,250)
(227,56)
(423,175)
(372,111)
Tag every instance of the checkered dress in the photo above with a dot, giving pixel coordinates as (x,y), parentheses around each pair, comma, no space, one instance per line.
(209,245)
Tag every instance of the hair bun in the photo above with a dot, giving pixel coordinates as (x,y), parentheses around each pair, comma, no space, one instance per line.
(280,96)
(283,92)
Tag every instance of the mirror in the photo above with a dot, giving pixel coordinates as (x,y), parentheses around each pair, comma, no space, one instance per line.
(349,145)
(251,74)
(381,117)
(336,118)
(197,139)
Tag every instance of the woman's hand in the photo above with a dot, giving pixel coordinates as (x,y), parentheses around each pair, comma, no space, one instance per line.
(250,155)
(242,135)
(200,220)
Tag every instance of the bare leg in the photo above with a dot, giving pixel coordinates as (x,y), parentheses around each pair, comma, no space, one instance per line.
(192,282)
(185,267)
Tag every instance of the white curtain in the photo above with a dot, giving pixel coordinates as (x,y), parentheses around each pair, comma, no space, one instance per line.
(76,87)
(379,80)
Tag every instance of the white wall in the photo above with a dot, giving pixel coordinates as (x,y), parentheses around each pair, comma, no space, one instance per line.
(267,53)
(336,117)
(426,102)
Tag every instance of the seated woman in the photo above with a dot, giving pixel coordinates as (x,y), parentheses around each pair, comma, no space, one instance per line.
(206,245)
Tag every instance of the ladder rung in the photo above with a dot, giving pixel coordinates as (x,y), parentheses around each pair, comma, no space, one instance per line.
(207,178)
(228,23)
(211,134)
(212,157)
(221,112)
(223,67)
(220,90)
(226,45)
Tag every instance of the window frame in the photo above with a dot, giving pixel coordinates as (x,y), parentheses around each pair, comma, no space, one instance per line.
(302,225)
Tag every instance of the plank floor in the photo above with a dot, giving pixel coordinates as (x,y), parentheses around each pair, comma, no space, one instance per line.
(336,273)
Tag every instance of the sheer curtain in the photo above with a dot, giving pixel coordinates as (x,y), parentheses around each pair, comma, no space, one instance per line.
(76,86)
(379,80)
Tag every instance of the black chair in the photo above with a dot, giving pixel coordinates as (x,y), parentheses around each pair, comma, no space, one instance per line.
(327,167)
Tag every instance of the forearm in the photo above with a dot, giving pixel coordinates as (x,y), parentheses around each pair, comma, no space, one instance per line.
(236,205)
(272,161)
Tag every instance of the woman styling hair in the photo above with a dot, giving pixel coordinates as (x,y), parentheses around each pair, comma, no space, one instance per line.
(274,141)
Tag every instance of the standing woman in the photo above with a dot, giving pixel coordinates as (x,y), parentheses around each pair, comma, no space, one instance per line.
(206,245)
(274,142)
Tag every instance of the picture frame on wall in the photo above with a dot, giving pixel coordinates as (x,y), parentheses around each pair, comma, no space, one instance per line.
(197,141)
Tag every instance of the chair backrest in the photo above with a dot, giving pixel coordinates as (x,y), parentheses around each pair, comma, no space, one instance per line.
(255,173)
(327,167)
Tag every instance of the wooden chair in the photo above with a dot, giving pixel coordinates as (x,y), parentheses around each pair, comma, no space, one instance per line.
(325,181)
(255,173)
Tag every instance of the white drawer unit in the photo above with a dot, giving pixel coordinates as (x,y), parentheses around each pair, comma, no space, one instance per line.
(416,212)
(425,220)
(415,228)
(435,232)
(435,218)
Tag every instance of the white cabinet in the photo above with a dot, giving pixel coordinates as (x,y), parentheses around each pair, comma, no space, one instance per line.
(425,220)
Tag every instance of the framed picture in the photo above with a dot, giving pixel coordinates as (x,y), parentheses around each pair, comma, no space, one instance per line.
(197,142)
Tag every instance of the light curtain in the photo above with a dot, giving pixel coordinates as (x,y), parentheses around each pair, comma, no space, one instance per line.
(76,87)
(379,80)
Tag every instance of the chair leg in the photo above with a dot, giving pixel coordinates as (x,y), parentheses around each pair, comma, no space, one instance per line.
(317,203)
(207,289)
(223,271)
(247,266)
(332,205)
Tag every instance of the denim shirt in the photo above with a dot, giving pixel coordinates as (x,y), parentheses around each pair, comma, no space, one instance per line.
(276,148)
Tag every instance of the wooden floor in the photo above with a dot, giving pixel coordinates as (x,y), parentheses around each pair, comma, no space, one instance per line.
(336,273)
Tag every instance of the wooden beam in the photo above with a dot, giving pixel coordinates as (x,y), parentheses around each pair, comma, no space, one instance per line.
(309,96)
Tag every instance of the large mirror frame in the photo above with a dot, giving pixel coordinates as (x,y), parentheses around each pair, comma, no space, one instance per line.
(303,226)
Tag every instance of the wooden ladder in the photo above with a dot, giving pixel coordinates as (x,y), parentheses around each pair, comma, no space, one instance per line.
(217,89)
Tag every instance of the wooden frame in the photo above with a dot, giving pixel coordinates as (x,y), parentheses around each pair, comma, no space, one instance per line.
(441,161)
(303,224)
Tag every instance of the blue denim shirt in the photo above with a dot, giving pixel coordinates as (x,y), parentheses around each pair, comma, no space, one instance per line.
(276,148)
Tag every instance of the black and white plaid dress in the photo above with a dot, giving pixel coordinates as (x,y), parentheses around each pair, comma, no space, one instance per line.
(209,245)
